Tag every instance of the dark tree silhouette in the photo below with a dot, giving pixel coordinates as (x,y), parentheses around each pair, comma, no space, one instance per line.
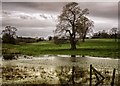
(50,38)
(84,25)
(114,32)
(9,34)
(70,22)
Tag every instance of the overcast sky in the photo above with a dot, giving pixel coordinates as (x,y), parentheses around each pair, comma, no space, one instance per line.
(40,18)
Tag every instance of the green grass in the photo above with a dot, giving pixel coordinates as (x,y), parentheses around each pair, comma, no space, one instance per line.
(92,47)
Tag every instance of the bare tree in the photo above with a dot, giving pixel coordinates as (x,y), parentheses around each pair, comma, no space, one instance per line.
(84,26)
(9,34)
(114,32)
(69,20)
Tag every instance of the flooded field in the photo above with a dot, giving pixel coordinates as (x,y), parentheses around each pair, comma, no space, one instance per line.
(59,69)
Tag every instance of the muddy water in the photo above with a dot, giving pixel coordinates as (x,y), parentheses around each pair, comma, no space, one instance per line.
(59,69)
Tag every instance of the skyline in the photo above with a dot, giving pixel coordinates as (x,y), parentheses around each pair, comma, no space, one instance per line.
(40,18)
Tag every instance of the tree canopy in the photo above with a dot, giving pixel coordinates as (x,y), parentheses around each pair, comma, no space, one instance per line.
(73,20)
(9,34)
(114,32)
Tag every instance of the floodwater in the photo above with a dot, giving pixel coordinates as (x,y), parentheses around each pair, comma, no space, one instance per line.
(59,69)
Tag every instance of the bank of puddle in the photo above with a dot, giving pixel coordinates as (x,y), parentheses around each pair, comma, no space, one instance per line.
(49,69)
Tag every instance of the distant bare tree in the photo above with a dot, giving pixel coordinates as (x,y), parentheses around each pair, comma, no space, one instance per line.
(114,32)
(70,21)
(9,34)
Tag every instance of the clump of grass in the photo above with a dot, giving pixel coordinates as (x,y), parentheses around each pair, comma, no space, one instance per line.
(9,53)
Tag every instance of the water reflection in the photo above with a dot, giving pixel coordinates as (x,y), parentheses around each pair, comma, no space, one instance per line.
(64,71)
(50,75)
(73,58)
(71,75)
(46,75)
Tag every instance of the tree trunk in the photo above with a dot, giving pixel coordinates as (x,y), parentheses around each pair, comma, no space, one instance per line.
(83,40)
(73,44)
(115,37)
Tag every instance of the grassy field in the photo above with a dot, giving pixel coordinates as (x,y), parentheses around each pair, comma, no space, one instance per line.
(92,47)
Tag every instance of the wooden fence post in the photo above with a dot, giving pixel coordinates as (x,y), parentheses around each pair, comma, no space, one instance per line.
(98,73)
(113,77)
(91,75)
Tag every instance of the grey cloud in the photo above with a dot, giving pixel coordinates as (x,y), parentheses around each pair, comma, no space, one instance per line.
(50,7)
(25,17)
(26,23)
(106,11)
(35,32)
(9,14)
(99,9)
(102,9)
(43,16)
(6,13)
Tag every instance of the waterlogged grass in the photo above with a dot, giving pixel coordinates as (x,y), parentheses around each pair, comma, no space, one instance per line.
(92,47)
(57,70)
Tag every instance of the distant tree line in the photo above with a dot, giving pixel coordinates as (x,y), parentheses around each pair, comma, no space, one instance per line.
(9,36)
(26,40)
(114,33)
